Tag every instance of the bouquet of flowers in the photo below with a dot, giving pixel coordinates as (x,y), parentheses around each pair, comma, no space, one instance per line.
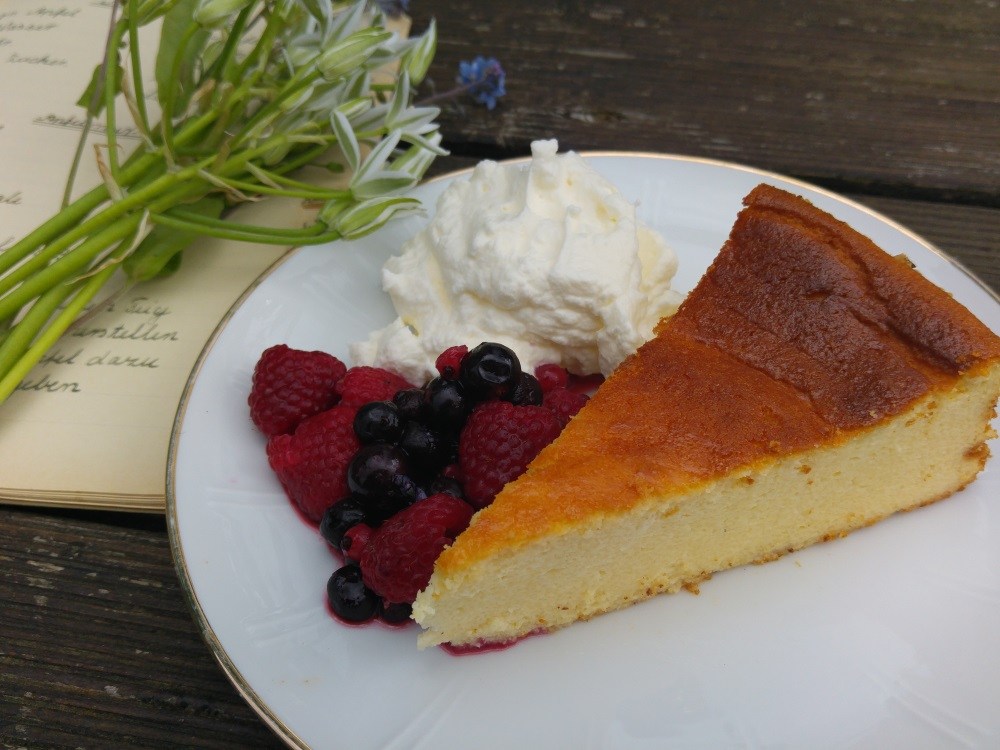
(249,92)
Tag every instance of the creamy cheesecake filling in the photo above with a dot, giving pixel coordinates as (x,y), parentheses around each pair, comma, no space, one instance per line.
(923,454)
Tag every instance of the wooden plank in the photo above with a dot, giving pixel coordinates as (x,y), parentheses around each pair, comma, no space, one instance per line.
(97,645)
(874,96)
(969,234)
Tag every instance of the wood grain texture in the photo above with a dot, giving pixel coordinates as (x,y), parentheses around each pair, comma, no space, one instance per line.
(901,96)
(97,645)
(968,234)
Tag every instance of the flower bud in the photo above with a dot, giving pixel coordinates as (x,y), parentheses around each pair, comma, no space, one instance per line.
(418,58)
(369,215)
(213,13)
(343,57)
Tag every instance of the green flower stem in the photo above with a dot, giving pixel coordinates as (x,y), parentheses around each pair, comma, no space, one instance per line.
(86,289)
(98,239)
(20,337)
(278,178)
(138,167)
(111,70)
(134,201)
(138,88)
(92,105)
(151,196)
(233,36)
(295,161)
(244,82)
(309,192)
(153,9)
(63,220)
(260,53)
(170,102)
(316,234)
(159,251)
(300,80)
(67,266)
(162,193)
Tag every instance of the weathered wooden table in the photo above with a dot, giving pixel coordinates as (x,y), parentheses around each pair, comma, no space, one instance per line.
(894,104)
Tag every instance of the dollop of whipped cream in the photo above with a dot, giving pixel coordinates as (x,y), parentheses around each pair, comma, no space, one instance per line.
(547,258)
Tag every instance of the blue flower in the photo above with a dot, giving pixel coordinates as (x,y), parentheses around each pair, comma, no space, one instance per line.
(484,79)
(393,8)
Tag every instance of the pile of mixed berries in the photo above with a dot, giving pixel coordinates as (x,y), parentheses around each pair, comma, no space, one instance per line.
(392,473)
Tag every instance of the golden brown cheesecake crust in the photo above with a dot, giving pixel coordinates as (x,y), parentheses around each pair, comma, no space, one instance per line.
(744,373)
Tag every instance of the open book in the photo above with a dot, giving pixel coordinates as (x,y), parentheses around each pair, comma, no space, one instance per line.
(90,425)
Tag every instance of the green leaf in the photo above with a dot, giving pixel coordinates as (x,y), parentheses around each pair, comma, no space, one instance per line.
(159,253)
(359,86)
(416,159)
(400,98)
(343,57)
(150,10)
(418,59)
(332,210)
(431,144)
(346,22)
(176,33)
(369,215)
(415,120)
(321,11)
(355,107)
(383,183)
(345,139)
(376,159)
(92,98)
(212,13)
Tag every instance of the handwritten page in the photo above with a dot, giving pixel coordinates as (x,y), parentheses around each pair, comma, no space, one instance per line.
(90,425)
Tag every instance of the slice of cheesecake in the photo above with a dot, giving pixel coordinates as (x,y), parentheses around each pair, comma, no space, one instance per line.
(811,384)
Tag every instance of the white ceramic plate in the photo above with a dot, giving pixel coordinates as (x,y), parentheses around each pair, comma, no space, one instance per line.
(887,638)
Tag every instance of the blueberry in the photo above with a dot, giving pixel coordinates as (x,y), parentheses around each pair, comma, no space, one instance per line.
(406,490)
(447,485)
(527,392)
(339,517)
(446,406)
(374,468)
(490,371)
(378,422)
(396,613)
(409,402)
(426,449)
(402,493)
(349,598)
(452,452)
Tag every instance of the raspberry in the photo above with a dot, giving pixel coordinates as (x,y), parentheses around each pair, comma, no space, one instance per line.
(311,463)
(355,540)
(361,385)
(584,383)
(399,559)
(290,385)
(564,403)
(498,443)
(551,376)
(449,361)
